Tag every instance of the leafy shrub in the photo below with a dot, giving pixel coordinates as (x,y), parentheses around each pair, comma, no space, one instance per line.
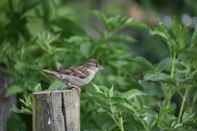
(131,94)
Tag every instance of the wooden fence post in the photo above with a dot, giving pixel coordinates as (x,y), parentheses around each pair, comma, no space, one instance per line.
(56,111)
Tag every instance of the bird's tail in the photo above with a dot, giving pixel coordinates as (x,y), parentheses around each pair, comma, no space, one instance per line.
(54,73)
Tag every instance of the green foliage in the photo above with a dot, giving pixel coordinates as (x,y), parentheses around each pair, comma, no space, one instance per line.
(130,94)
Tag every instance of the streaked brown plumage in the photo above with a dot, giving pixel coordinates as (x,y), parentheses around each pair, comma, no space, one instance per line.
(75,77)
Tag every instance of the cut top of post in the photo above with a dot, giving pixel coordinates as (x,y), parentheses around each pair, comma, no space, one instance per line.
(56,110)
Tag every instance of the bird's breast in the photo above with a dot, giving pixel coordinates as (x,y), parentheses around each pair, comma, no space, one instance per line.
(79,81)
(86,80)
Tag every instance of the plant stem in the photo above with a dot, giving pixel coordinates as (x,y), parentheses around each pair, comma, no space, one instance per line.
(182,105)
(118,120)
(121,123)
(173,66)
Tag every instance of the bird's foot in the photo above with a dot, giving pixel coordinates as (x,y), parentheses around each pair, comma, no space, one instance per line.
(76,87)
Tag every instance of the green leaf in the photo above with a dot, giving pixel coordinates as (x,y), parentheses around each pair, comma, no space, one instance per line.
(97,89)
(67,28)
(180,34)
(122,38)
(194,38)
(78,39)
(132,94)
(57,85)
(14,89)
(164,65)
(29,5)
(85,49)
(157,76)
(143,62)
(116,100)
(187,117)
(37,87)
(111,92)
(115,23)
(163,32)
(137,24)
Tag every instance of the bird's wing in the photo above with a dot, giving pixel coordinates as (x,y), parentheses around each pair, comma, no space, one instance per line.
(79,71)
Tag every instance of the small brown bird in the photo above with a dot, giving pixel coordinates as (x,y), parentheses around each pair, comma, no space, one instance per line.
(75,77)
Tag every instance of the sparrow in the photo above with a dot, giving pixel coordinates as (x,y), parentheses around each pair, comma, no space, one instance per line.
(75,77)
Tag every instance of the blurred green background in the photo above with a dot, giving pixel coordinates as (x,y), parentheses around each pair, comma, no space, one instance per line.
(148,49)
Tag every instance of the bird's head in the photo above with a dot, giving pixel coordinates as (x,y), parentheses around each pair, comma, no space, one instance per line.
(93,65)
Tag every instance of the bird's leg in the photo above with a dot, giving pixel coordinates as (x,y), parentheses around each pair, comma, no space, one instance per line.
(78,89)
(75,87)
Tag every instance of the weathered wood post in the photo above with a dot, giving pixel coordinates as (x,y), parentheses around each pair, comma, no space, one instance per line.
(56,111)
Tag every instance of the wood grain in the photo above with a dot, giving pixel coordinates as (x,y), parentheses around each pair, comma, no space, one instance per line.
(56,111)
